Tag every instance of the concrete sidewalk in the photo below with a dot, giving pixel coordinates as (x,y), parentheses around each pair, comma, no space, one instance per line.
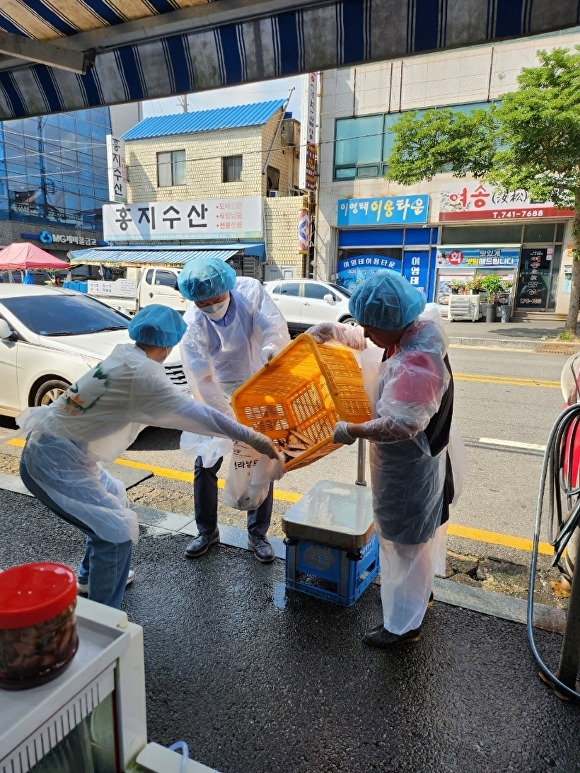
(533,334)
(257,678)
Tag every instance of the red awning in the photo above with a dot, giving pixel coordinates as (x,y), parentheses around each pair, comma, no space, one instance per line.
(23,255)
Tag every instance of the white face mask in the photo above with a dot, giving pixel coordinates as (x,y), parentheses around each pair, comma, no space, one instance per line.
(217,310)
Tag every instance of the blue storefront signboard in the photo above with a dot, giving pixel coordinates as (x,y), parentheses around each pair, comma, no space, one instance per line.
(386,210)
(416,269)
(352,271)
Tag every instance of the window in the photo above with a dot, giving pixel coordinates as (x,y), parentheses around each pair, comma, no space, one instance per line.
(231,169)
(290,288)
(165,279)
(364,144)
(171,168)
(273,179)
(316,291)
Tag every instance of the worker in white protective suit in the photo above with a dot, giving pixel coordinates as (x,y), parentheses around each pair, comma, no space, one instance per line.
(410,387)
(97,419)
(233,329)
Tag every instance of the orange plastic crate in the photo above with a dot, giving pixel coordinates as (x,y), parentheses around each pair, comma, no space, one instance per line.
(307,387)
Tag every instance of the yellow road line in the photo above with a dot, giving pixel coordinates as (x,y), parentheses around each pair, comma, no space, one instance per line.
(507,380)
(478,535)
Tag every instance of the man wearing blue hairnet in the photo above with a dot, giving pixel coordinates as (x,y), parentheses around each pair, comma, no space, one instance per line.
(95,420)
(233,329)
(410,387)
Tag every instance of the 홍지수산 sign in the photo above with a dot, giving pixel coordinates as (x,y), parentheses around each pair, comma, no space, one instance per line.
(192,220)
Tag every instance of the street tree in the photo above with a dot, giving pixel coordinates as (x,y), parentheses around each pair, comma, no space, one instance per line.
(530,139)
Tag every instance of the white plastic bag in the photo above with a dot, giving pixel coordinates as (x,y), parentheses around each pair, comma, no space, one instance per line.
(249,477)
(210,448)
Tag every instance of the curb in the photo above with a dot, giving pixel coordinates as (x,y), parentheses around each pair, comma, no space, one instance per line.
(540,347)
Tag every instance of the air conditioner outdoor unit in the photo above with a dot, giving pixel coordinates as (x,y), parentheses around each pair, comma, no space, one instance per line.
(287,132)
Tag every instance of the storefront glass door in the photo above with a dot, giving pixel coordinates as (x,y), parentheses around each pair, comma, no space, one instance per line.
(534,278)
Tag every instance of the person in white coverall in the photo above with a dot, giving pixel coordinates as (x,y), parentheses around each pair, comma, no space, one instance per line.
(233,329)
(97,419)
(410,387)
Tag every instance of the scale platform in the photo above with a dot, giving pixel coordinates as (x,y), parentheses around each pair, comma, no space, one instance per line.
(339,515)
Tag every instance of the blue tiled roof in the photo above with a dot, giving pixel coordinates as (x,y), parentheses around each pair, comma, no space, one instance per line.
(217,118)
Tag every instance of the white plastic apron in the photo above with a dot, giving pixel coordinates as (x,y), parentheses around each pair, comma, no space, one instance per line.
(238,357)
(407,486)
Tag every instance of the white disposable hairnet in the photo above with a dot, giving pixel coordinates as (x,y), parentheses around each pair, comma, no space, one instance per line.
(205,278)
(157,325)
(386,301)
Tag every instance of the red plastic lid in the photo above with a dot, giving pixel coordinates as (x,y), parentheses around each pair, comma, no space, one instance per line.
(33,593)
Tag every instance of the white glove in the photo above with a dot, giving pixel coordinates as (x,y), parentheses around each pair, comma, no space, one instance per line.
(267,353)
(263,445)
(341,435)
(322,332)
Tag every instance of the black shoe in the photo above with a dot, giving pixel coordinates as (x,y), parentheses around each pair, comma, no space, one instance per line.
(380,637)
(199,545)
(263,551)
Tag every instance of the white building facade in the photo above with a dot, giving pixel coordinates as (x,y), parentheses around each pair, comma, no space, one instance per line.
(447,228)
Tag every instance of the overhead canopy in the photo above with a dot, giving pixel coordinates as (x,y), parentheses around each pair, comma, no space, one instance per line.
(105,52)
(175,256)
(23,255)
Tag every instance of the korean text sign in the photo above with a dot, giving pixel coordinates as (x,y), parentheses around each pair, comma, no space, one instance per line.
(387,210)
(191,220)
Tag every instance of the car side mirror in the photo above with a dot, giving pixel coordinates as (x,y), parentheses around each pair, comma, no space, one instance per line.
(329,298)
(5,333)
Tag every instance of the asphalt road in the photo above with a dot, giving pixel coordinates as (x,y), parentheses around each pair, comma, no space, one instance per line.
(259,679)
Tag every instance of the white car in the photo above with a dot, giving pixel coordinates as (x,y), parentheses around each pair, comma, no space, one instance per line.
(305,302)
(50,337)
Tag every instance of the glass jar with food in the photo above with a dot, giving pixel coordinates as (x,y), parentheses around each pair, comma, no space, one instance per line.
(38,635)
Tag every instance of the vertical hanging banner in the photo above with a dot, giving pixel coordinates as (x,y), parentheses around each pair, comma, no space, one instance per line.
(308,148)
(116,170)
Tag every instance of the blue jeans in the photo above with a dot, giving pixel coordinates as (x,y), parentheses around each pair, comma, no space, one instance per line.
(205,503)
(105,565)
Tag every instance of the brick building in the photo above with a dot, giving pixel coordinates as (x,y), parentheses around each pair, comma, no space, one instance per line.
(236,168)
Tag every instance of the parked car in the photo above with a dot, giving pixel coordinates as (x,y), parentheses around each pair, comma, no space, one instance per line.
(16,276)
(305,302)
(50,337)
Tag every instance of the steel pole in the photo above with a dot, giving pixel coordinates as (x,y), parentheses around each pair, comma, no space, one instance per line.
(360,470)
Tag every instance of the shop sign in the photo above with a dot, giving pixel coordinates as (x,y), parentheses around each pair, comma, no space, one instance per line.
(416,269)
(481,201)
(192,220)
(46,237)
(116,169)
(308,152)
(350,272)
(477,257)
(388,210)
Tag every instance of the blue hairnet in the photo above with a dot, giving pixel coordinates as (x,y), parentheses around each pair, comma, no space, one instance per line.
(386,301)
(157,325)
(205,278)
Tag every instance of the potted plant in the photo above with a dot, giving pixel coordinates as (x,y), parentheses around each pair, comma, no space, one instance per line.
(456,286)
(492,284)
(504,298)
(474,285)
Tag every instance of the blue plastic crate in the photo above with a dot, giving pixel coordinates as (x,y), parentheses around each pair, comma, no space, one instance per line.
(329,573)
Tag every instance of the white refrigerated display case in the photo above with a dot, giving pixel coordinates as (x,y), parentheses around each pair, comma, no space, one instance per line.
(92,717)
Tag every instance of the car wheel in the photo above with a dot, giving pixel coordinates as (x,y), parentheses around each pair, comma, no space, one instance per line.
(350,321)
(49,391)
